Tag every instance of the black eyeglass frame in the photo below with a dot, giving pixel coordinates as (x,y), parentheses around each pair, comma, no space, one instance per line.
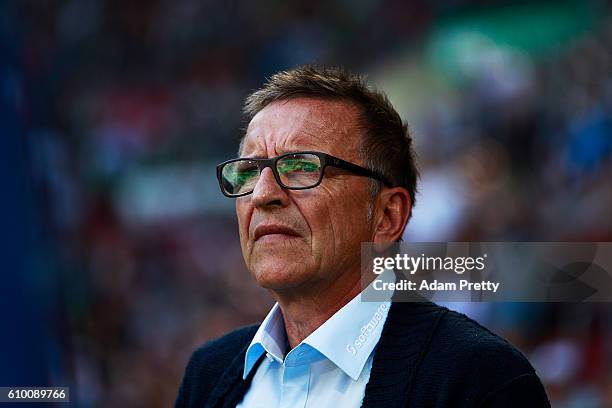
(324,158)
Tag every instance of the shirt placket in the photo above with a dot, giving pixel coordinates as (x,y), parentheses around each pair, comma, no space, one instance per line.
(296,380)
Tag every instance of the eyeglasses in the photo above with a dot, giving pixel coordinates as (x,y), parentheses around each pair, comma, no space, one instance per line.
(293,171)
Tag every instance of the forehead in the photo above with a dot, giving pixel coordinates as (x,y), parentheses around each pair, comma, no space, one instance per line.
(330,126)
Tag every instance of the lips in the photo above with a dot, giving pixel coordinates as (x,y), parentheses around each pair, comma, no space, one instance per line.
(274,229)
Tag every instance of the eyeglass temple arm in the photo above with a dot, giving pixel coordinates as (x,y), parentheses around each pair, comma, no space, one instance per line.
(353,168)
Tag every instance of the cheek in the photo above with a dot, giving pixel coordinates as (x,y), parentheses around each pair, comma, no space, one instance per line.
(348,221)
(330,228)
(243,214)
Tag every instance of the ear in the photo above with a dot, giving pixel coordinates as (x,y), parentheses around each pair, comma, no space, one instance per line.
(393,211)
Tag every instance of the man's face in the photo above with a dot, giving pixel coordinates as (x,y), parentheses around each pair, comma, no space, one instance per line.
(304,239)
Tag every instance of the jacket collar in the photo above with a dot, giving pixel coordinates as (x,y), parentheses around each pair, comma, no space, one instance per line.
(404,342)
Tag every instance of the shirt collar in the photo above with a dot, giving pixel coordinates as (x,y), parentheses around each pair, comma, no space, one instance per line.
(347,338)
(269,338)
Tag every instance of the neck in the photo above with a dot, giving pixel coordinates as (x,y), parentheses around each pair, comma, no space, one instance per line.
(304,313)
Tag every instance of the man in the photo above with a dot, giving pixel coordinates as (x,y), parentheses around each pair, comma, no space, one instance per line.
(326,164)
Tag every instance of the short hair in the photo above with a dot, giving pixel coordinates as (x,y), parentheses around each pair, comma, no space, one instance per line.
(386,146)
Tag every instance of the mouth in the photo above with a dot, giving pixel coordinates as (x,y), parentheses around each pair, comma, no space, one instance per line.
(274,232)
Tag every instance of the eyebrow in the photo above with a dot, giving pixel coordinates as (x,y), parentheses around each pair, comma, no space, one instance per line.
(280,153)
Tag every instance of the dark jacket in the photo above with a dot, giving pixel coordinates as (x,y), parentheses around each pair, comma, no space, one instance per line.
(427,356)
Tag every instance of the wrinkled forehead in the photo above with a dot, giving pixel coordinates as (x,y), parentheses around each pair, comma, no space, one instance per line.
(330,126)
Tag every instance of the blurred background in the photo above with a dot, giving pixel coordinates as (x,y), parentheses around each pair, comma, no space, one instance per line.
(120,255)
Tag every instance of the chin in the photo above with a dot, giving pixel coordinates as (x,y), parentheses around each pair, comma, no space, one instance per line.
(280,264)
(276,274)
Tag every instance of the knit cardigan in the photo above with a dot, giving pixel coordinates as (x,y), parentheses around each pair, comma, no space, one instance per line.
(427,356)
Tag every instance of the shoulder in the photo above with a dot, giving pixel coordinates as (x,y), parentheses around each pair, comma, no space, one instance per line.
(450,339)
(462,339)
(208,363)
(466,360)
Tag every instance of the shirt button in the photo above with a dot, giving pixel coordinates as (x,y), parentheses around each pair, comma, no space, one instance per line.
(269,356)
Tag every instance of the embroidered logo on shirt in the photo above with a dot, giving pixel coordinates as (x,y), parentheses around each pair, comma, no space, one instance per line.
(367,330)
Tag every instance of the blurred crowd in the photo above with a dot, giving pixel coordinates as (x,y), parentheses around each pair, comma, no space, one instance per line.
(129,106)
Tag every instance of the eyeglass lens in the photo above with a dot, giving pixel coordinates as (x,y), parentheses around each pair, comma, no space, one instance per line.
(301,170)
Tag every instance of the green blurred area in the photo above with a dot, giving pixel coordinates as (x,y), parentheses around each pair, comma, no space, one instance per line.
(537,29)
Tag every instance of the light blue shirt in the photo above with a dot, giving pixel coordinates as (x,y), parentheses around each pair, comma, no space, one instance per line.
(331,367)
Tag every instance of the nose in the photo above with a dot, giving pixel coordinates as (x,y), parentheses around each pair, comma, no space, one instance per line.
(268,192)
